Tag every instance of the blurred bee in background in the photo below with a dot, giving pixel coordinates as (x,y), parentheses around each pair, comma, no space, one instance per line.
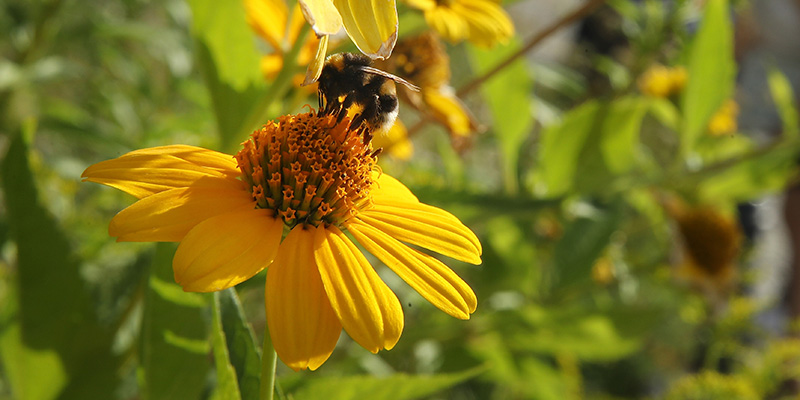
(349,84)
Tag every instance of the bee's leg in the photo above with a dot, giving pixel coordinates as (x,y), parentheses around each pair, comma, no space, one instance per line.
(343,107)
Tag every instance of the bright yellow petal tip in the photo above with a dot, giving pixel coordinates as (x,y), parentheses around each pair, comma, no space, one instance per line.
(370,313)
(372,25)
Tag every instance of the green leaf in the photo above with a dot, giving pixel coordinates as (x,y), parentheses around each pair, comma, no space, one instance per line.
(244,355)
(55,346)
(561,147)
(665,112)
(508,94)
(747,178)
(588,335)
(227,384)
(711,71)
(395,387)
(593,142)
(230,62)
(551,384)
(783,96)
(507,237)
(583,241)
(174,339)
(620,132)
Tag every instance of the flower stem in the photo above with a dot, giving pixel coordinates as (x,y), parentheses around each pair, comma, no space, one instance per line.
(268,364)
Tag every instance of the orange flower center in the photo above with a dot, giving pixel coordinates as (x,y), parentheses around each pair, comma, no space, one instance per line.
(309,168)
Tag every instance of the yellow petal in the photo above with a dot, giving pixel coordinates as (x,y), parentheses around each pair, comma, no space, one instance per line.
(423,5)
(367,308)
(449,24)
(389,188)
(268,18)
(488,22)
(315,67)
(303,326)
(428,276)
(149,171)
(425,226)
(371,24)
(322,16)
(168,216)
(226,250)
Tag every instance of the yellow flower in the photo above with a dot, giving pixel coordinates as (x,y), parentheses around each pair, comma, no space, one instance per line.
(311,178)
(481,22)
(371,25)
(661,81)
(271,20)
(395,142)
(723,122)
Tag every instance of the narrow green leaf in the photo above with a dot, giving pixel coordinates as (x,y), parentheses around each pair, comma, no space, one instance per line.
(783,96)
(230,62)
(244,354)
(711,71)
(227,384)
(583,241)
(395,387)
(561,148)
(61,349)
(508,94)
(620,133)
(174,340)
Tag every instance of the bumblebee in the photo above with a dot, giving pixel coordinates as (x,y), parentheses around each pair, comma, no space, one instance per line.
(349,83)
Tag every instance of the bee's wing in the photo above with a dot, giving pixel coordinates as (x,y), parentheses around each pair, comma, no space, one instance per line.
(395,78)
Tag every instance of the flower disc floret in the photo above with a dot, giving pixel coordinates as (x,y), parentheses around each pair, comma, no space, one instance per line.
(309,169)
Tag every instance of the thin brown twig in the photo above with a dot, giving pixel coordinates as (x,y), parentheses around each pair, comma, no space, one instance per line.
(568,19)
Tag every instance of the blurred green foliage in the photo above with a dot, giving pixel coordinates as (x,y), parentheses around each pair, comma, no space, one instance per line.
(577,295)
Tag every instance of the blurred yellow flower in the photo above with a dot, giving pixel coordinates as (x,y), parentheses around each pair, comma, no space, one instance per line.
(271,20)
(481,22)
(662,81)
(284,202)
(603,270)
(723,122)
(372,26)
(395,142)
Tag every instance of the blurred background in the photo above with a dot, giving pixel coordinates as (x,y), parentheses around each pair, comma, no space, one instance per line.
(629,168)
